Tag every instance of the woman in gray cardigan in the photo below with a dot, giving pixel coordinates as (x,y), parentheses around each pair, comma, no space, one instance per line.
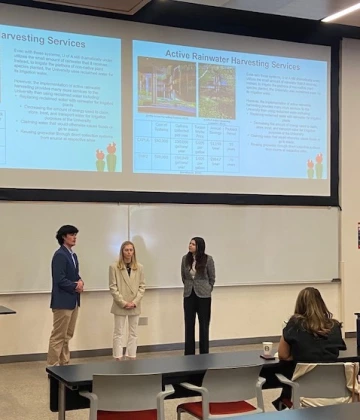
(198,276)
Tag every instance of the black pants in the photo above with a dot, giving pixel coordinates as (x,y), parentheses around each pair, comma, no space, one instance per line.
(269,373)
(202,307)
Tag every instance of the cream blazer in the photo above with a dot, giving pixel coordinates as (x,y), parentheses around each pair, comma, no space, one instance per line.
(125,289)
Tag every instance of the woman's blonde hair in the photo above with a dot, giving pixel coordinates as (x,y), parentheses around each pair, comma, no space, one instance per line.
(312,313)
(121,262)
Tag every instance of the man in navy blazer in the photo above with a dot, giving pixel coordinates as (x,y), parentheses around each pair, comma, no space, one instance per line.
(65,296)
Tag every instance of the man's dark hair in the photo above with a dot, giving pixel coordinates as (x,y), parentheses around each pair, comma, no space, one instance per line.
(65,230)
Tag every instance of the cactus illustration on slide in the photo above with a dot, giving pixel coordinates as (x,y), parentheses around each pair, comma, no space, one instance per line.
(319,166)
(100,164)
(111,157)
(310,171)
(318,172)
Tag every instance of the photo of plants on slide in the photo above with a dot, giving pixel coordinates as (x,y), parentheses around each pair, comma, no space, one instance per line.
(166,87)
(216,91)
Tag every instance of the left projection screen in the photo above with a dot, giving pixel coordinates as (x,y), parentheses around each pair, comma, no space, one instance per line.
(60,105)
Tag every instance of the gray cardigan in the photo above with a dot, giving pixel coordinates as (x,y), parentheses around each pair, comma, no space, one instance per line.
(202,283)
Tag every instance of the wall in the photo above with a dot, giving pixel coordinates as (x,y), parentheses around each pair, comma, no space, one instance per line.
(251,311)
(350,175)
(241,312)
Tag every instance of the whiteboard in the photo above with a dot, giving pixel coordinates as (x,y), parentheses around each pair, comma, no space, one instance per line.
(250,245)
(28,231)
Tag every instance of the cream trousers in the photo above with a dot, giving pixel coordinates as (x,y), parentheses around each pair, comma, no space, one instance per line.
(120,340)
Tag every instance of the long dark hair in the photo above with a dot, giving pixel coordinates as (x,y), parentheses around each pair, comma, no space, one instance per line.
(200,256)
(312,313)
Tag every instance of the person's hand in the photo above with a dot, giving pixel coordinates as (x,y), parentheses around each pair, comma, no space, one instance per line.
(80,286)
(130,305)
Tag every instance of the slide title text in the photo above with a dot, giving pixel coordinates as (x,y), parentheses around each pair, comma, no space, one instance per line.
(233,60)
(42,40)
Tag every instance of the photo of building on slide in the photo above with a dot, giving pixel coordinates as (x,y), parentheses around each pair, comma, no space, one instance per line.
(216,91)
(166,87)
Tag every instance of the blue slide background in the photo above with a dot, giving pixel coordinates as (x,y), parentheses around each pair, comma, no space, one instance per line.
(21,144)
(153,155)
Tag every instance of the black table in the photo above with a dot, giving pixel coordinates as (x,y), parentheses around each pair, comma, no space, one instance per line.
(334,412)
(67,381)
(6,311)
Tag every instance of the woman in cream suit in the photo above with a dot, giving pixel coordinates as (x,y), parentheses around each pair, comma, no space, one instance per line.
(127,286)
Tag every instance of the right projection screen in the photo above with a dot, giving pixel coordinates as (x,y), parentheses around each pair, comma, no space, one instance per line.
(239,122)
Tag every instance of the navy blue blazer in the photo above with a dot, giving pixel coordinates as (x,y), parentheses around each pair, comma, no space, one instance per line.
(64,277)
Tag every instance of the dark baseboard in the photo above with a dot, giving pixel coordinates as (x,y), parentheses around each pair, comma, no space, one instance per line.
(214,343)
(39,357)
(80,354)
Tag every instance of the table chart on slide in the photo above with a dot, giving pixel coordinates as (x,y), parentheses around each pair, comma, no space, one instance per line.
(181,147)
(2,137)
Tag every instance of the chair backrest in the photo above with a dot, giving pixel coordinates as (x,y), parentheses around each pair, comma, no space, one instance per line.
(232,384)
(127,392)
(326,380)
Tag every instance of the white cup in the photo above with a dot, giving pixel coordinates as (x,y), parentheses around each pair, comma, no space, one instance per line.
(267,348)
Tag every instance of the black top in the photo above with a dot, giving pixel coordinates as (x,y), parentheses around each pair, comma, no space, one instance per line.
(309,348)
(128,268)
(333,412)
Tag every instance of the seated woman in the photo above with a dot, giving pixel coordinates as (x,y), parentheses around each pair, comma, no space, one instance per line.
(310,336)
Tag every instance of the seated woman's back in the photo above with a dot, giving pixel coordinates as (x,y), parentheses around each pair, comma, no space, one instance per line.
(310,347)
(311,335)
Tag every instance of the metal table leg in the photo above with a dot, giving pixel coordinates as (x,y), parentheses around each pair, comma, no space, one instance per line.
(62,401)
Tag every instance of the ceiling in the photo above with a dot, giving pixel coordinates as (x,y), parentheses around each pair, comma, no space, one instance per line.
(127,7)
(306,9)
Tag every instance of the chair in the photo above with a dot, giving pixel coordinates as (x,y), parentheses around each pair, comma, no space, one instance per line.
(224,392)
(320,380)
(127,397)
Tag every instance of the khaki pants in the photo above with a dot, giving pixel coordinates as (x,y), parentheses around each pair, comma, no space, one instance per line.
(64,321)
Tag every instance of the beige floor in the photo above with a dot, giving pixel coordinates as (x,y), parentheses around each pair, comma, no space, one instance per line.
(24,393)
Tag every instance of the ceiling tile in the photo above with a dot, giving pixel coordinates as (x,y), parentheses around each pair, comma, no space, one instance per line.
(218,3)
(306,9)
(124,6)
(271,6)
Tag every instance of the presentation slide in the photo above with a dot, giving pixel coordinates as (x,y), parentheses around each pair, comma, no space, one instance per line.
(209,112)
(60,105)
(95,104)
